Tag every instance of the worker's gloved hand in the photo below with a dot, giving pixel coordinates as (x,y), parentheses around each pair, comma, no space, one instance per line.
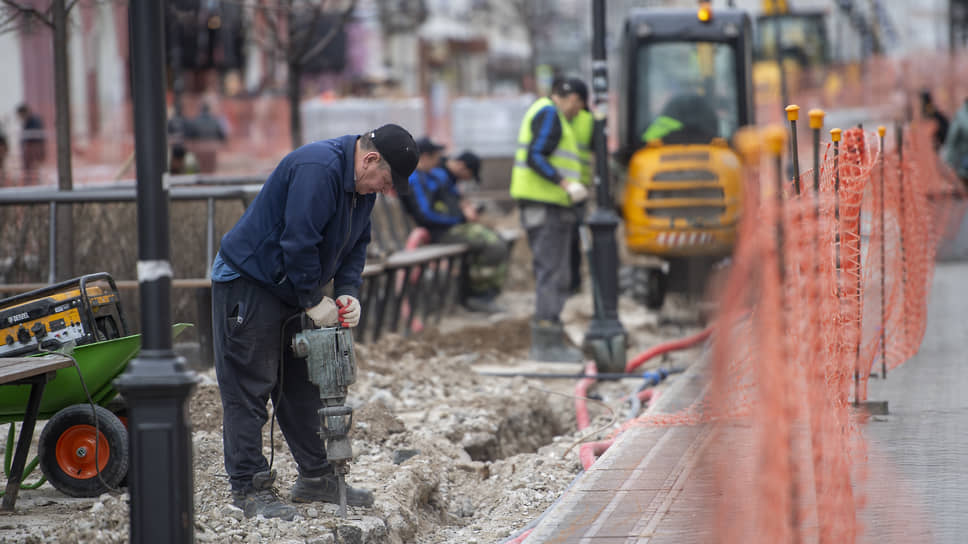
(324,314)
(349,310)
(576,191)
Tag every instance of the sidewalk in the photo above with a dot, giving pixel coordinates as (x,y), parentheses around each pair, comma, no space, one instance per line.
(918,480)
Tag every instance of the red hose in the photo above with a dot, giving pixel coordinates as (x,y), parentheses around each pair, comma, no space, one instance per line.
(665,347)
(581,392)
(590,451)
(646,395)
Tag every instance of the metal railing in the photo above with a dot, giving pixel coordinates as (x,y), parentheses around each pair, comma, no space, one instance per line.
(118,193)
(406,285)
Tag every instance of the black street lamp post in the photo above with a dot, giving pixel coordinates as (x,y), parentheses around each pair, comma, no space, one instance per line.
(156,384)
(606,338)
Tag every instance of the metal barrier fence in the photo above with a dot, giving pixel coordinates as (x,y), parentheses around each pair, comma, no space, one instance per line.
(489,126)
(388,300)
(332,119)
(53,198)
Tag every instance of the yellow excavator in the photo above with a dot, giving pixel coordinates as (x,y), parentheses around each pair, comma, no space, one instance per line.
(794,39)
(799,41)
(686,88)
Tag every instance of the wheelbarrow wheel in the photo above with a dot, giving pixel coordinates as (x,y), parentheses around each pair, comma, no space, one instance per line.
(67,451)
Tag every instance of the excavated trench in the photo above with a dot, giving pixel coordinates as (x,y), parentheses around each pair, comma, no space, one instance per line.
(522,429)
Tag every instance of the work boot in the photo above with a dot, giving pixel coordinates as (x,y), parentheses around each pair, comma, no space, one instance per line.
(260,498)
(326,489)
(548,344)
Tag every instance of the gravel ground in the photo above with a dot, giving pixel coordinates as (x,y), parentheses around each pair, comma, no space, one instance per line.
(452,456)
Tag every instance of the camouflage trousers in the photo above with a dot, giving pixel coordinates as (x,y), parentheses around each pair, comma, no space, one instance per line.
(487,264)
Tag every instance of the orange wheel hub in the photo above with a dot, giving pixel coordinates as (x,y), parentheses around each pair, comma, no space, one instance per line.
(75,452)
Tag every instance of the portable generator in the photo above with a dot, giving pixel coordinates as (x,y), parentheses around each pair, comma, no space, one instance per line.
(81,311)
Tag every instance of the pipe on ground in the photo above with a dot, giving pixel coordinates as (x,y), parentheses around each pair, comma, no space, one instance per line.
(665,347)
(589,452)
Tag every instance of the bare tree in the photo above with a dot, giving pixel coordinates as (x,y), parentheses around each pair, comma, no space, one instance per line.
(538,19)
(19,15)
(530,14)
(292,35)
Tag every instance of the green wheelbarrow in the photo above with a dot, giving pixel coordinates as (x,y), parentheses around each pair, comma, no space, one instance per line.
(67,444)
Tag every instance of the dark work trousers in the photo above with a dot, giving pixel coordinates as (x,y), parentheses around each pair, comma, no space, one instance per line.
(550,232)
(247,326)
(576,249)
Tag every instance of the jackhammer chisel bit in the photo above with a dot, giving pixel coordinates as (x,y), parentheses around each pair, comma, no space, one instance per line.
(332,368)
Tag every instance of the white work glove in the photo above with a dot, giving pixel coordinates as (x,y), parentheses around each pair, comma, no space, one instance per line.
(324,314)
(349,311)
(576,191)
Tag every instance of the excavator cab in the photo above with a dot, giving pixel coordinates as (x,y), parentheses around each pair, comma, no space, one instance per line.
(686,90)
(799,40)
(802,38)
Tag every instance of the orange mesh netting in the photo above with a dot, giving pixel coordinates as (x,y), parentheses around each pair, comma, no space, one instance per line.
(825,289)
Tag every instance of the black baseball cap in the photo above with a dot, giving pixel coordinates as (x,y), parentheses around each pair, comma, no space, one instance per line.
(472,161)
(397,147)
(566,86)
(426,145)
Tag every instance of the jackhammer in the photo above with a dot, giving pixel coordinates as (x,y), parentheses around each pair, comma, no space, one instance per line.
(332,368)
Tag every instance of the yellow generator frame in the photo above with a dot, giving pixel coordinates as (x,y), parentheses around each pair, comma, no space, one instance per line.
(79,311)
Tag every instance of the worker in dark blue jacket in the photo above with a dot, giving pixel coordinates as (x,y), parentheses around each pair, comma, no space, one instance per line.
(308,226)
(436,204)
(432,203)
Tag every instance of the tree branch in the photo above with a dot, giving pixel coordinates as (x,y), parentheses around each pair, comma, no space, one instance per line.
(29,12)
(8,20)
(261,42)
(299,45)
(70,5)
(330,34)
(273,23)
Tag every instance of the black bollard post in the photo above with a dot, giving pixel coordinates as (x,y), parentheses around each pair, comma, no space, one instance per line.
(835,134)
(793,113)
(881,130)
(815,372)
(774,143)
(899,142)
(816,123)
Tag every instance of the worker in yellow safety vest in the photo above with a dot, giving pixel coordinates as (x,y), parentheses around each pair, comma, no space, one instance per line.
(546,184)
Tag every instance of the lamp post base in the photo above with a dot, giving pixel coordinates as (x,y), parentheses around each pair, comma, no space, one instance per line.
(606,341)
(156,389)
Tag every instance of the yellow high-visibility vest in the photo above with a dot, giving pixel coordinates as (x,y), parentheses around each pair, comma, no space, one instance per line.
(526,184)
(583,125)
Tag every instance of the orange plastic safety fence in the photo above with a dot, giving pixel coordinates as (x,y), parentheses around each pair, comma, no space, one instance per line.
(826,287)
